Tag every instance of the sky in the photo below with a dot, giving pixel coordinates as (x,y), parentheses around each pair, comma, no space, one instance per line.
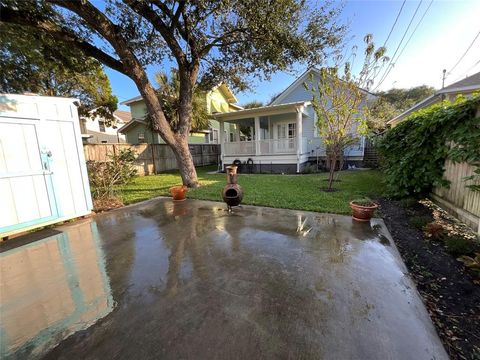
(441,38)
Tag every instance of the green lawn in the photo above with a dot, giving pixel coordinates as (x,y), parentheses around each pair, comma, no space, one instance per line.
(281,191)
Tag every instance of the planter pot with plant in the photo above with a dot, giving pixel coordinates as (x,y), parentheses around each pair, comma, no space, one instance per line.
(363,209)
(179,192)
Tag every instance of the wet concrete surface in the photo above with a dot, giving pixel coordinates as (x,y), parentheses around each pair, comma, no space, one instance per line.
(191,281)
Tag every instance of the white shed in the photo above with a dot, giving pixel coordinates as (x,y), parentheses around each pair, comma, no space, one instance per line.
(43,175)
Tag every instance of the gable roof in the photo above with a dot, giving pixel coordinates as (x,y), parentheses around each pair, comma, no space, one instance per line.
(468,84)
(130,124)
(123,116)
(299,81)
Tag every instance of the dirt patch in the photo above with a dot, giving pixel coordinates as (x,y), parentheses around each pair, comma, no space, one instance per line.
(106,203)
(450,291)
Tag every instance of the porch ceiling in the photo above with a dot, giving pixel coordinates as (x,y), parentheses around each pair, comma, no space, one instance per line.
(263,111)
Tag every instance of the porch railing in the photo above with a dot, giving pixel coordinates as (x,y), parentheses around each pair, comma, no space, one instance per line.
(264,147)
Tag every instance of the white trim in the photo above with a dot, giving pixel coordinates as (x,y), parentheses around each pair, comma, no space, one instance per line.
(262,111)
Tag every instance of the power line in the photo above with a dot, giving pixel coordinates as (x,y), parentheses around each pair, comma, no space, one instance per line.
(415,29)
(393,26)
(466,72)
(390,63)
(465,53)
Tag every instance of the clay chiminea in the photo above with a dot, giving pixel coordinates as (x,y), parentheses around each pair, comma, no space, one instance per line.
(232,192)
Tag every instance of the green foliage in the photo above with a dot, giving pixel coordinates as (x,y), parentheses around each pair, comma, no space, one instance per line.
(420,221)
(365,201)
(414,152)
(409,202)
(253,104)
(459,246)
(33,62)
(117,170)
(169,94)
(393,102)
(475,179)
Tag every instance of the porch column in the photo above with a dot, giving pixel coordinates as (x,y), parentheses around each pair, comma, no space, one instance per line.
(221,137)
(237,130)
(257,135)
(299,136)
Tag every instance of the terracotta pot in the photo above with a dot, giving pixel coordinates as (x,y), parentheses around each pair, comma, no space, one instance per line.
(178,192)
(362,213)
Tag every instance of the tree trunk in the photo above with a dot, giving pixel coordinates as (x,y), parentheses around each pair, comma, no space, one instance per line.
(185,162)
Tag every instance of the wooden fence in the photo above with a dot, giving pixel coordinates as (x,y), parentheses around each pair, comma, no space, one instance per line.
(458,199)
(154,158)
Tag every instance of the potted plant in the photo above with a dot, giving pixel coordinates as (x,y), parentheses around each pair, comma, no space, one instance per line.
(178,192)
(362,209)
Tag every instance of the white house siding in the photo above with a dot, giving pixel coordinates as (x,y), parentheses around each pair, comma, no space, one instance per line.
(299,93)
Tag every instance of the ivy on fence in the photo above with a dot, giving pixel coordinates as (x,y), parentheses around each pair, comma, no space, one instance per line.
(414,152)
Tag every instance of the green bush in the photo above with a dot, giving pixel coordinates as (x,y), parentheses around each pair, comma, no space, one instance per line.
(459,246)
(420,221)
(414,152)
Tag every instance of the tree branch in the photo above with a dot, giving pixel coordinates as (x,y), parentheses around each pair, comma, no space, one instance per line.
(8,15)
(142,9)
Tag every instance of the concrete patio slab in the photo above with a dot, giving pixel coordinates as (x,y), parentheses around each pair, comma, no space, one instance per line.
(190,280)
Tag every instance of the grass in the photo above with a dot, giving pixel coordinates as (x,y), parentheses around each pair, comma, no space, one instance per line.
(302,192)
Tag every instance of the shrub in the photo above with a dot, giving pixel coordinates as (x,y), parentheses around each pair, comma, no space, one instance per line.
(459,246)
(365,201)
(104,175)
(435,231)
(414,152)
(409,202)
(420,221)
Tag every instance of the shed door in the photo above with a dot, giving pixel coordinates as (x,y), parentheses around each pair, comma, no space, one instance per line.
(26,190)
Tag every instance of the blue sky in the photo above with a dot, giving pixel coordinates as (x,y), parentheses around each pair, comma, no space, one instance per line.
(440,40)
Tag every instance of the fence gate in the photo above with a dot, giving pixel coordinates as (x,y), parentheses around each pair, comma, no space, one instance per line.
(42,170)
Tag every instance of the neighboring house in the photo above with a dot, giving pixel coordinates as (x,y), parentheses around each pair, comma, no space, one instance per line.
(465,87)
(219,99)
(95,131)
(284,133)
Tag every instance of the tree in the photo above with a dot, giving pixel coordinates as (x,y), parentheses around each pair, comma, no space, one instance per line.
(381,111)
(393,102)
(253,104)
(169,95)
(33,62)
(341,103)
(210,41)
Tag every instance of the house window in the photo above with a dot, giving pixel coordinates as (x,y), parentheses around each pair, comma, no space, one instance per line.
(101,125)
(232,137)
(291,130)
(213,136)
(141,137)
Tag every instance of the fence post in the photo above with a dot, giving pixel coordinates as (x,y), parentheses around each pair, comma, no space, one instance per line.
(152,148)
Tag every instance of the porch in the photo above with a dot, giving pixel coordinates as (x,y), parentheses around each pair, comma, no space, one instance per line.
(270,134)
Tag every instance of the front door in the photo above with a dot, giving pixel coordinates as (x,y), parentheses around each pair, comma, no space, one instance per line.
(27,195)
(286,134)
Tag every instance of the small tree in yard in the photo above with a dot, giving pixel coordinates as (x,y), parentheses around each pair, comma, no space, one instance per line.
(340,102)
(209,42)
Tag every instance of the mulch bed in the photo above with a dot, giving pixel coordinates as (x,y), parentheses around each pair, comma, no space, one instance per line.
(450,291)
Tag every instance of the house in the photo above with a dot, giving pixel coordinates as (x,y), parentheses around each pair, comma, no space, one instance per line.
(284,136)
(219,99)
(95,130)
(465,87)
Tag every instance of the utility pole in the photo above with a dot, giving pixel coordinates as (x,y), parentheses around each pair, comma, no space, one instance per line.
(443,78)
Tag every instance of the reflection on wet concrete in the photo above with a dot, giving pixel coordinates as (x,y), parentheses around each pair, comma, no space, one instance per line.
(51,288)
(192,281)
